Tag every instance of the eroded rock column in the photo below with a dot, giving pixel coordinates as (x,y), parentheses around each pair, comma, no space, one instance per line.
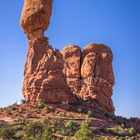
(43,73)
(72,61)
(60,77)
(97,75)
(89,73)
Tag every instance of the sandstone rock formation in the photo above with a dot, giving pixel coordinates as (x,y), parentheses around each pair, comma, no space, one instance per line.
(66,76)
(97,75)
(89,73)
(35,17)
(43,74)
(72,58)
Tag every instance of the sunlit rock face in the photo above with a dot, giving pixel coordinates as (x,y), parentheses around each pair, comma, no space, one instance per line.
(97,75)
(89,73)
(67,75)
(43,73)
(35,17)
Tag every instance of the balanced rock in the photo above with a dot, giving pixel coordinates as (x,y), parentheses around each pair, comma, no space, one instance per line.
(43,73)
(66,76)
(35,17)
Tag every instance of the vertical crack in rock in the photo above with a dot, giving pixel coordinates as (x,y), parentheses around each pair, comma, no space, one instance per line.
(62,76)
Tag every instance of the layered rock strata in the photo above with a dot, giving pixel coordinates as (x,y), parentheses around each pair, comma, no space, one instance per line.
(66,76)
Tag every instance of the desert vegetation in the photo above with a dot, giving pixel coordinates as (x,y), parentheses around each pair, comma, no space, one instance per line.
(51,122)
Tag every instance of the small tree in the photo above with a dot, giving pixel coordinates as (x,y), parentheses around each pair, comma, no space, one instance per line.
(131,131)
(85,132)
(7,133)
(34,130)
(41,103)
(71,126)
(89,113)
(80,110)
(47,134)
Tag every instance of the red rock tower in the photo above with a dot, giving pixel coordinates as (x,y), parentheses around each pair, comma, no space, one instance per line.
(43,73)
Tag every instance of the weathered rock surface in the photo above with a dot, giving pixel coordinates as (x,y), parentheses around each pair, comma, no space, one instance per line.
(35,17)
(63,77)
(89,73)
(43,72)
(97,75)
(72,58)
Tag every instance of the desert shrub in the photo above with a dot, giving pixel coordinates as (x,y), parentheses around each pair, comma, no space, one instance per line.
(85,132)
(7,133)
(54,124)
(47,134)
(117,130)
(120,131)
(109,115)
(22,101)
(41,103)
(80,110)
(33,130)
(46,109)
(122,121)
(19,121)
(71,126)
(9,111)
(89,113)
(13,107)
(131,131)
(19,135)
(80,101)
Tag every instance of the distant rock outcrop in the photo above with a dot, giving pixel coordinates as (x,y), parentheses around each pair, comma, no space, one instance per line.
(63,76)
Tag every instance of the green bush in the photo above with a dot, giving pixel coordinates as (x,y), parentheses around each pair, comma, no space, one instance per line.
(80,110)
(33,130)
(80,101)
(46,109)
(85,132)
(89,113)
(47,134)
(9,111)
(131,131)
(117,130)
(19,135)
(41,103)
(120,131)
(71,125)
(7,133)
(109,115)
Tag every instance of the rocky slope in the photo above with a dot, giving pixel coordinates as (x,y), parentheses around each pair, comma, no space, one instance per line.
(67,76)
(19,122)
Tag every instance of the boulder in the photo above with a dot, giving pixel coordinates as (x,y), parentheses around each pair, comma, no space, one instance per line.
(35,17)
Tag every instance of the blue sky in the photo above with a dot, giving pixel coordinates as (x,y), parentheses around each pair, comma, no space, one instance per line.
(115,23)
